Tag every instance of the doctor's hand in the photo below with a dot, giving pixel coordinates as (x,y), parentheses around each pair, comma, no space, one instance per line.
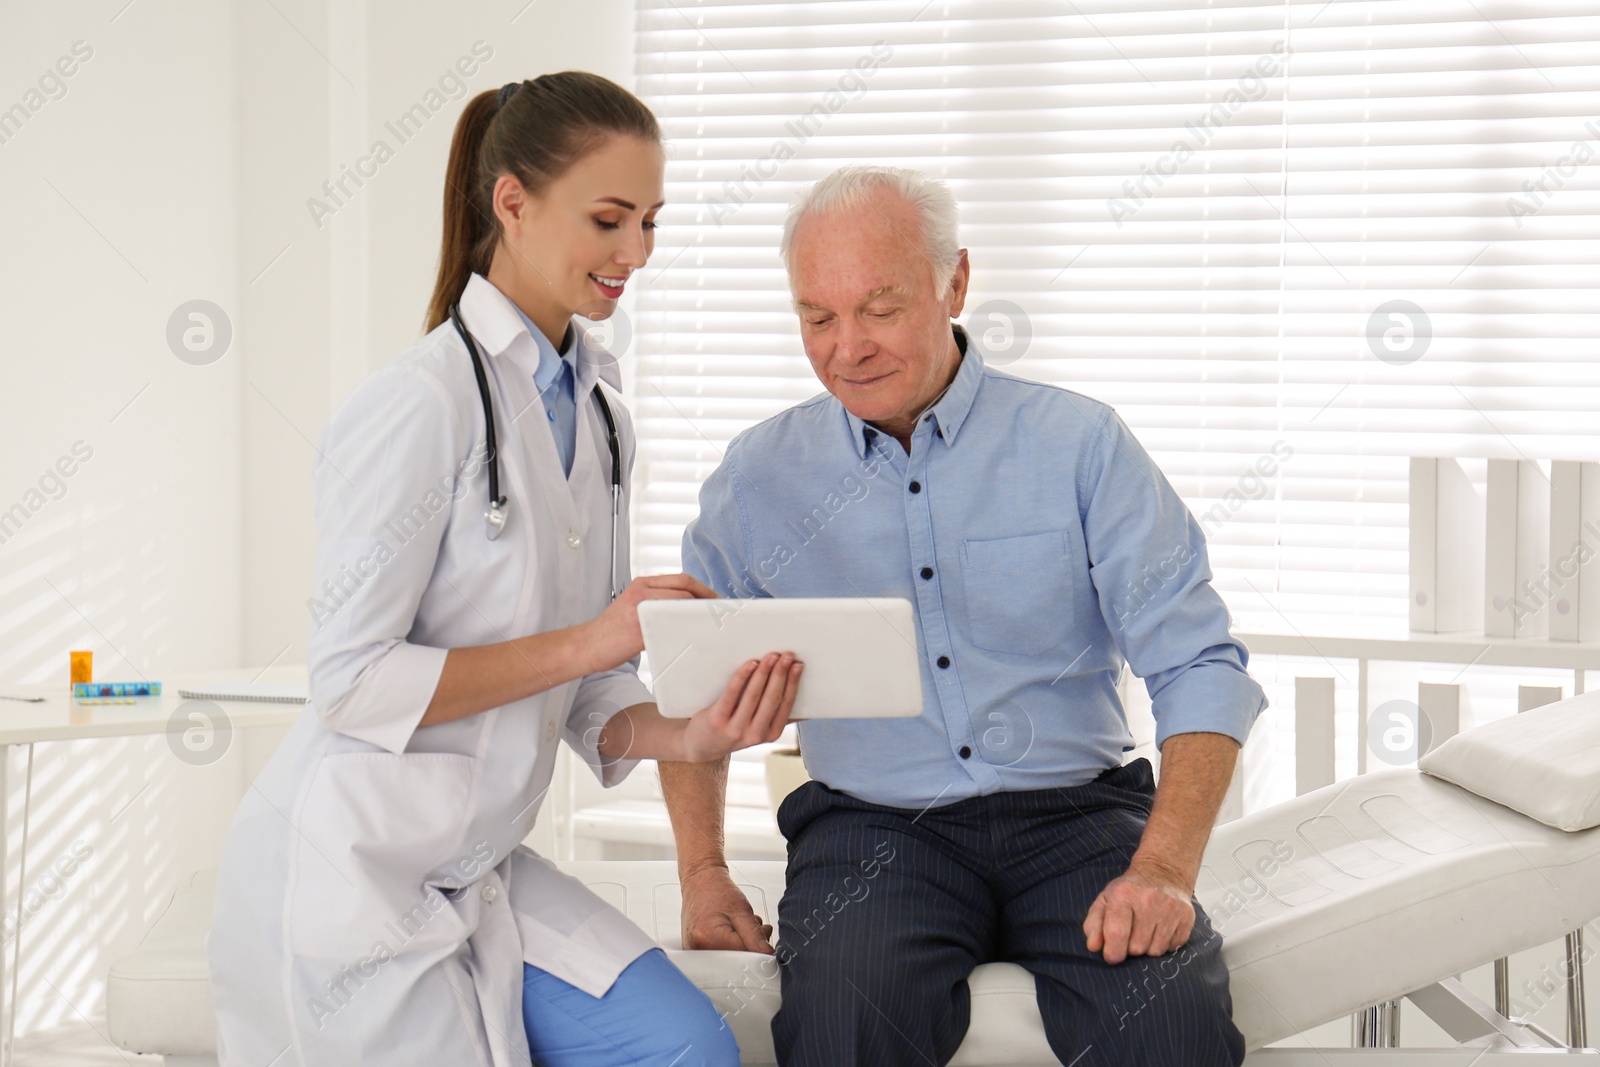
(752,710)
(1145,912)
(616,629)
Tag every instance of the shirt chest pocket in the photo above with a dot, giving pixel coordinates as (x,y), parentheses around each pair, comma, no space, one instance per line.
(1018,592)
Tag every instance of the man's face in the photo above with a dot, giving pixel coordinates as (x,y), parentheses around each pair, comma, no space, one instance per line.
(875,329)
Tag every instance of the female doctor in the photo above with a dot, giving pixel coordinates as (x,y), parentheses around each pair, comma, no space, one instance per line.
(374,904)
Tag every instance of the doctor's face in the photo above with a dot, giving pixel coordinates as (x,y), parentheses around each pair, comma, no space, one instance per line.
(876,330)
(573,246)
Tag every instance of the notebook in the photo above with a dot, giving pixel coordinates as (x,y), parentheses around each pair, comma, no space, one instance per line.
(264,692)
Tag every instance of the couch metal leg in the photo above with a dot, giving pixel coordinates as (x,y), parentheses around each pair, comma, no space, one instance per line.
(1467,1020)
(1377,1026)
(1577,1013)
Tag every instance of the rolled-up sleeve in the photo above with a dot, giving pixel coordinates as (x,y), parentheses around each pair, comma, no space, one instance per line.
(1147,560)
(600,696)
(381,456)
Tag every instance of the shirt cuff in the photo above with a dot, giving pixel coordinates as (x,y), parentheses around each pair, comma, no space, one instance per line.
(384,706)
(599,698)
(1214,698)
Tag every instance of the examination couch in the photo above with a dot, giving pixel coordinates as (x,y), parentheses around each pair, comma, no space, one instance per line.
(1379,887)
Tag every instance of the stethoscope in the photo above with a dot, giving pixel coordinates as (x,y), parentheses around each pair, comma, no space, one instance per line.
(498,513)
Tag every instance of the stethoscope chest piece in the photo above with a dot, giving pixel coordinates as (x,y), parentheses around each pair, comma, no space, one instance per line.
(496,518)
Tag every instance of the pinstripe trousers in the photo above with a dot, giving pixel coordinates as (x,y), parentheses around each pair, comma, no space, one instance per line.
(888,910)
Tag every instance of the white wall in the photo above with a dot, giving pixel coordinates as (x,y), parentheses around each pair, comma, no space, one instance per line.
(121,203)
(177,166)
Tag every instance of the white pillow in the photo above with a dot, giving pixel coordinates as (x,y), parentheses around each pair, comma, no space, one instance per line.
(1544,763)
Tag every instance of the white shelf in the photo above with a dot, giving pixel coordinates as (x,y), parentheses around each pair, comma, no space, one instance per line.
(1433,648)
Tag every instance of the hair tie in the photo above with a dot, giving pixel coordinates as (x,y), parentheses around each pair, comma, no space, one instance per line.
(507,91)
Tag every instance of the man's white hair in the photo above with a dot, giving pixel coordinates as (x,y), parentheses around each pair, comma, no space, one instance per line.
(854,185)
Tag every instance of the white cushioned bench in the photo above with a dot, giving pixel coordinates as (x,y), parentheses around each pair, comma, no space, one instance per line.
(1364,891)
(158,997)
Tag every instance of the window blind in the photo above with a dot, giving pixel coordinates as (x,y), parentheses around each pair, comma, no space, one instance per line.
(1293,243)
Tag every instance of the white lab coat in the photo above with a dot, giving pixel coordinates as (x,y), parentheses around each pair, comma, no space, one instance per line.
(374,903)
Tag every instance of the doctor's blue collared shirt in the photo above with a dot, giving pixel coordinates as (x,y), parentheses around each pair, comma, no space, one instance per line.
(553,377)
(1040,548)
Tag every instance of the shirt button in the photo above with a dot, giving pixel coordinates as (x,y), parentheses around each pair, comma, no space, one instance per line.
(965,751)
(915,487)
(552,414)
(573,540)
(550,731)
(927,572)
(943,661)
(489,893)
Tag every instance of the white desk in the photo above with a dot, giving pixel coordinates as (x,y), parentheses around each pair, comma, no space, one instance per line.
(60,718)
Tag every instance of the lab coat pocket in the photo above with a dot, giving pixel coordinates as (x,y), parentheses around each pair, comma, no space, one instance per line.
(1017,592)
(373,830)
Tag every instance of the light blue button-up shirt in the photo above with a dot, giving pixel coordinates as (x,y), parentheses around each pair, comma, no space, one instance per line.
(1041,548)
(554,379)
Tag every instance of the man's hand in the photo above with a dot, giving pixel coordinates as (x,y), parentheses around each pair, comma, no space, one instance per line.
(717,915)
(1145,912)
(1149,910)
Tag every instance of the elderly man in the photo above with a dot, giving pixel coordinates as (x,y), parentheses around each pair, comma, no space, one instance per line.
(1041,549)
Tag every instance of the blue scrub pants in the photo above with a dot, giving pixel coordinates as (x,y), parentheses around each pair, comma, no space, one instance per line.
(651,1016)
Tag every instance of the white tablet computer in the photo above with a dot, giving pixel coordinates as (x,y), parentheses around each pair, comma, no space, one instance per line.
(860,652)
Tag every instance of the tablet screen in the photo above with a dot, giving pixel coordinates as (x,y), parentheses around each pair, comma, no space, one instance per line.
(860,652)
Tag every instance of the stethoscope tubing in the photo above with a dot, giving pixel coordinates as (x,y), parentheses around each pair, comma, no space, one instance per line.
(498,512)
